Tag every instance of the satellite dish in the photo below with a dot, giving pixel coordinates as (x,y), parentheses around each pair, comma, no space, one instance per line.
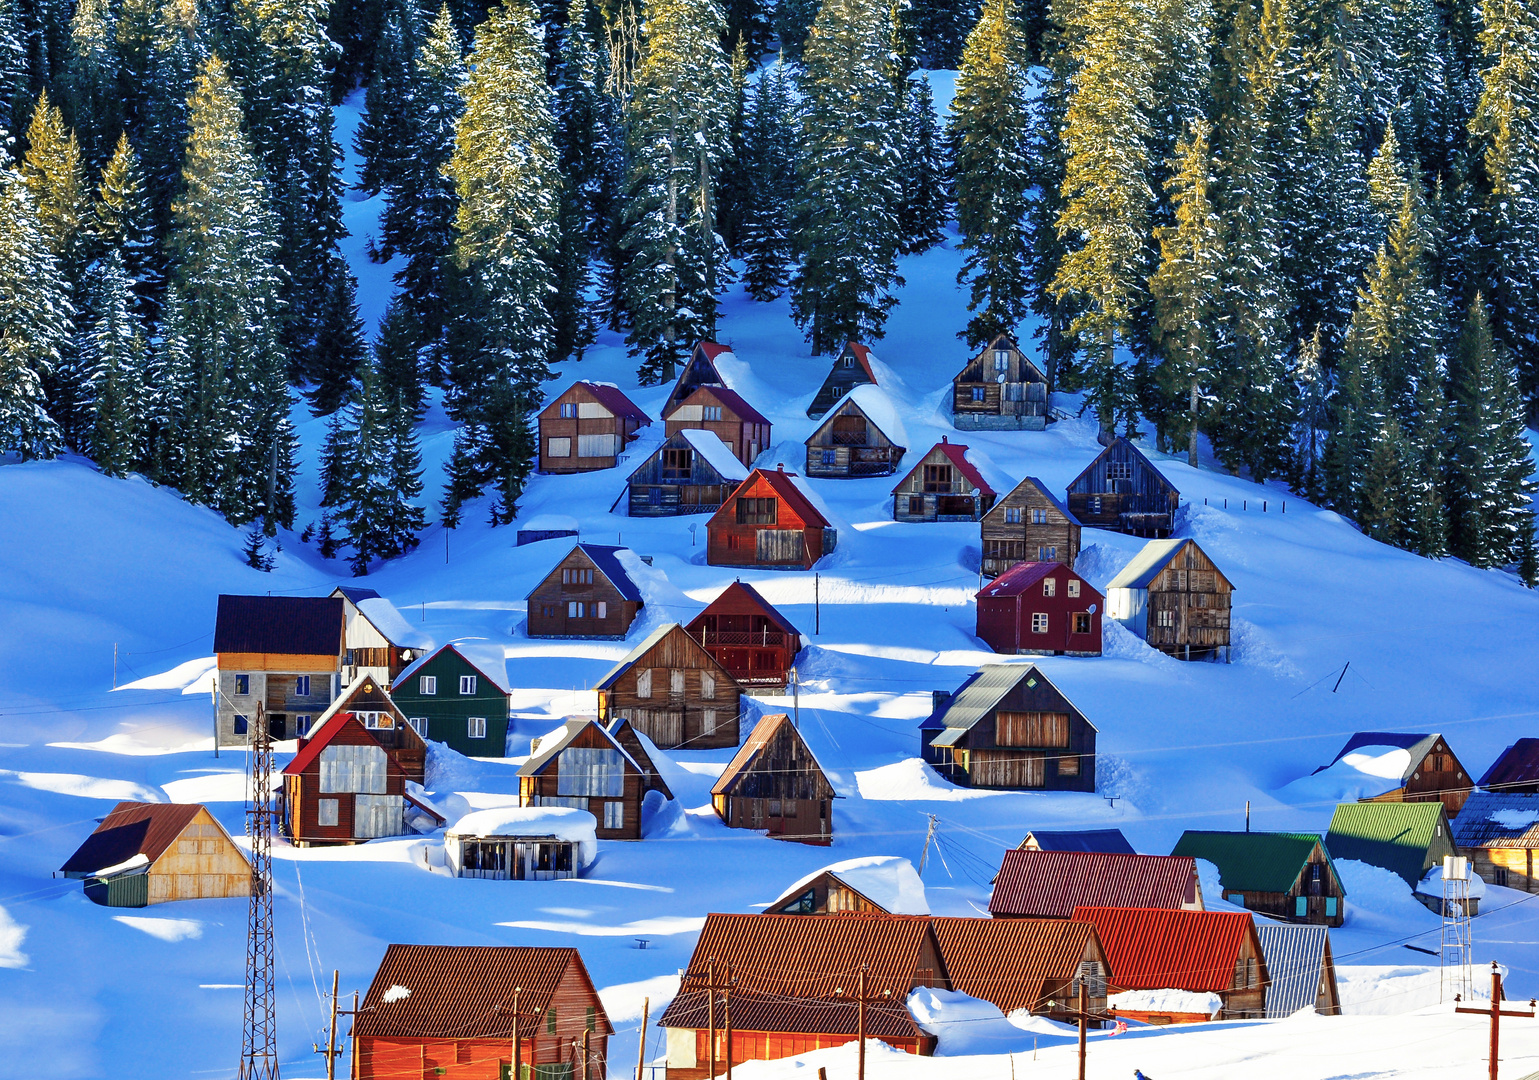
(1092,609)
(1000,378)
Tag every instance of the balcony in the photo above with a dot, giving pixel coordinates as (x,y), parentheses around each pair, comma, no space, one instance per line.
(761,638)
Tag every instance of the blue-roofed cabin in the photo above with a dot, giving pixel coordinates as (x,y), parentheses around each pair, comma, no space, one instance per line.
(1121,490)
(588,594)
(1093,841)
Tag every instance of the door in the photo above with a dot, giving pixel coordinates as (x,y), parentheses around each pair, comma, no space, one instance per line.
(277,725)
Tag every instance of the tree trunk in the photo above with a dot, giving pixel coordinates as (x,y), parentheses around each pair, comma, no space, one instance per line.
(1191,449)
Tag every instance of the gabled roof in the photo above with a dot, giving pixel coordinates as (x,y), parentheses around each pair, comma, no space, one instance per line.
(1252,861)
(641,749)
(392,626)
(712,350)
(862,354)
(556,741)
(941,702)
(613,399)
(1010,342)
(486,661)
(1010,961)
(747,755)
(768,610)
(956,453)
(889,882)
(291,625)
(1043,490)
(983,691)
(1136,452)
(1109,841)
(644,646)
(1151,949)
(336,721)
(355,594)
(1418,746)
(466,991)
(709,446)
(1051,884)
(1295,954)
(603,558)
(1023,575)
(132,828)
(729,398)
(1150,561)
(785,485)
(1518,764)
(872,402)
(1394,835)
(1498,819)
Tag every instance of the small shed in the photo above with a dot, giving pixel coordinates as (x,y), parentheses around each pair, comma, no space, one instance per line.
(999,389)
(282,654)
(151,853)
(944,486)
(1516,770)
(1051,884)
(861,436)
(1200,952)
(1109,841)
(770,522)
(1121,490)
(1298,957)
(885,884)
(344,786)
(1499,831)
(1028,525)
(521,843)
(749,637)
(1424,766)
(1009,727)
(1285,875)
(545,527)
(722,411)
(700,371)
(1174,597)
(1407,839)
(851,369)
(674,692)
(454,1010)
(775,783)
(378,641)
(693,472)
(582,765)
(1031,964)
(587,426)
(459,694)
(588,594)
(1040,608)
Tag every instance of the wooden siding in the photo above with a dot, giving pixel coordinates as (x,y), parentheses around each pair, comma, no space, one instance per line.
(857,446)
(531,789)
(732,543)
(676,718)
(1054,538)
(846,373)
(394,732)
(1315,893)
(746,439)
(745,641)
(978,392)
(1188,606)
(550,612)
(1121,490)
(1438,777)
(783,791)
(937,490)
(980,760)
(1512,868)
(593,418)
(657,489)
(829,896)
(202,863)
(302,794)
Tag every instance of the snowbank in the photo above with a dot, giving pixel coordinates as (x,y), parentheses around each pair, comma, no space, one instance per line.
(548,523)
(889,881)
(1172,1001)
(141,860)
(1432,884)
(879,409)
(965,1025)
(1365,772)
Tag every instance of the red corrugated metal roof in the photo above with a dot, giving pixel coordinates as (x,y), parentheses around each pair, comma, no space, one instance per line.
(133,828)
(1009,961)
(863,358)
(613,399)
(318,742)
(1153,949)
(712,350)
(1051,884)
(803,1016)
(956,453)
(1022,576)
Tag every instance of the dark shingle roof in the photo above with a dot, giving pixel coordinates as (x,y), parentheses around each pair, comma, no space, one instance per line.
(1419,746)
(1479,826)
(355,594)
(295,625)
(1097,840)
(1519,764)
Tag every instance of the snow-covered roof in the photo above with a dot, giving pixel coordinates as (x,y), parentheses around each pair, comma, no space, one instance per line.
(1498,819)
(561,822)
(1146,565)
(1167,1001)
(1431,883)
(549,523)
(547,746)
(709,446)
(879,409)
(888,881)
(384,617)
(489,659)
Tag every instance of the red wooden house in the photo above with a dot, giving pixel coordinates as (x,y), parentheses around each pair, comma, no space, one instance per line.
(1041,608)
(587,427)
(769,522)
(943,486)
(744,430)
(747,636)
(344,786)
(451,1011)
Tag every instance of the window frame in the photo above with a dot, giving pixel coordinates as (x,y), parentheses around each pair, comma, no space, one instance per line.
(242,685)
(475,727)
(468,685)
(427,685)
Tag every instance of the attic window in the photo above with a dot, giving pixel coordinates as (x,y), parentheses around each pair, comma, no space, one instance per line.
(1012,515)
(569,410)
(1001,359)
(849,361)
(1039,517)
(710,412)
(1119,470)
(1031,682)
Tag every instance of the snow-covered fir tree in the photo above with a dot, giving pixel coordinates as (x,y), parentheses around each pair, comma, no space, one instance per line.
(923,203)
(96,103)
(115,358)
(35,324)
(385,134)
(769,149)
(583,141)
(123,220)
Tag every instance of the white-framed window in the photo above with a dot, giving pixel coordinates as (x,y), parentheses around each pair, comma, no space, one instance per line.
(577,575)
(302,724)
(1050,587)
(1039,517)
(476,727)
(1001,359)
(419,724)
(707,686)
(1039,622)
(576,609)
(711,412)
(708,722)
(603,609)
(644,682)
(1165,618)
(243,684)
(978,394)
(569,410)
(302,686)
(467,684)
(427,685)
(370,719)
(1074,586)
(558,447)
(849,361)
(614,814)
(1012,515)
(326,812)
(596,446)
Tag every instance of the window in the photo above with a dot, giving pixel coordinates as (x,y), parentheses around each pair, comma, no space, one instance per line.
(550,1020)
(1050,587)
(1499,877)
(614,816)
(1001,359)
(937,478)
(1300,906)
(1082,622)
(1330,906)
(1047,553)
(592,1021)
(243,684)
(978,394)
(916,504)
(427,685)
(805,904)
(1039,517)
(576,609)
(569,410)
(354,769)
(242,724)
(476,727)
(758,511)
(1119,470)
(775,809)
(677,463)
(1068,765)
(711,412)
(558,448)
(1095,504)
(1237,899)
(369,719)
(707,686)
(591,772)
(830,457)
(302,686)
(644,682)
(326,812)
(576,576)
(1012,515)
(676,681)
(467,684)
(548,611)
(419,724)
(847,360)
(603,609)
(708,722)
(596,446)
(1039,622)
(1073,587)
(302,723)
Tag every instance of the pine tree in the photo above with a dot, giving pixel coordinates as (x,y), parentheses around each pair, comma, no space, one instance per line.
(166,418)
(923,202)
(1048,162)
(385,132)
(734,177)
(941,27)
(769,149)
(340,349)
(257,557)
(582,139)
(1385,501)
(114,354)
(123,220)
(989,131)
(15,81)
(397,357)
(53,174)
(96,105)
(1357,419)
(1314,390)
(677,119)
(846,209)
(176,54)
(793,22)
(34,324)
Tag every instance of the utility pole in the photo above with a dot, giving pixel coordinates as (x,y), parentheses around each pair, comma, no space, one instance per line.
(518,1042)
(641,1055)
(584,1054)
(259,1045)
(331,1050)
(928,836)
(1084,1018)
(817,608)
(796,700)
(727,1016)
(711,989)
(862,999)
(1496,1013)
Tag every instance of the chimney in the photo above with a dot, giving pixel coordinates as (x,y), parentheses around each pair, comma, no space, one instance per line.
(938,699)
(944,439)
(780,466)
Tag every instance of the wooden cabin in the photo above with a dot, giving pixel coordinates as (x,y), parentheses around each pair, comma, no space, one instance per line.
(587,427)
(1032,964)
(1042,609)
(546,527)
(1284,875)
(792,988)
(860,436)
(378,641)
(851,368)
(1298,957)
(1174,597)
(1201,952)
(1121,490)
(1010,727)
(1431,770)
(742,429)
(883,884)
(641,749)
(769,522)
(944,486)
(750,638)
(521,843)
(344,787)
(402,737)
(1096,840)
(454,1011)
(1000,389)
(774,783)
(1407,839)
(693,472)
(700,371)
(1499,832)
(674,692)
(152,853)
(283,654)
(1028,525)
(1516,770)
(459,695)
(583,766)
(588,594)
(1051,884)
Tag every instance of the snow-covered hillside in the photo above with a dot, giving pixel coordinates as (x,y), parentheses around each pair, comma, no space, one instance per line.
(104,580)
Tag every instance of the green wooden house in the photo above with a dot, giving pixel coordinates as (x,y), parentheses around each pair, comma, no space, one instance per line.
(1284,875)
(1407,839)
(458,695)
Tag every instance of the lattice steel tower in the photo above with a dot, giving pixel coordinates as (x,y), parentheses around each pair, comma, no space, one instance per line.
(259,1050)
(1456,975)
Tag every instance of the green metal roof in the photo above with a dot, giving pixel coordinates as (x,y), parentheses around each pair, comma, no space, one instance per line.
(1252,861)
(1395,836)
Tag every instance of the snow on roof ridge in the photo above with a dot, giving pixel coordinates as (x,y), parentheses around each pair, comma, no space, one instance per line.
(709,446)
(879,878)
